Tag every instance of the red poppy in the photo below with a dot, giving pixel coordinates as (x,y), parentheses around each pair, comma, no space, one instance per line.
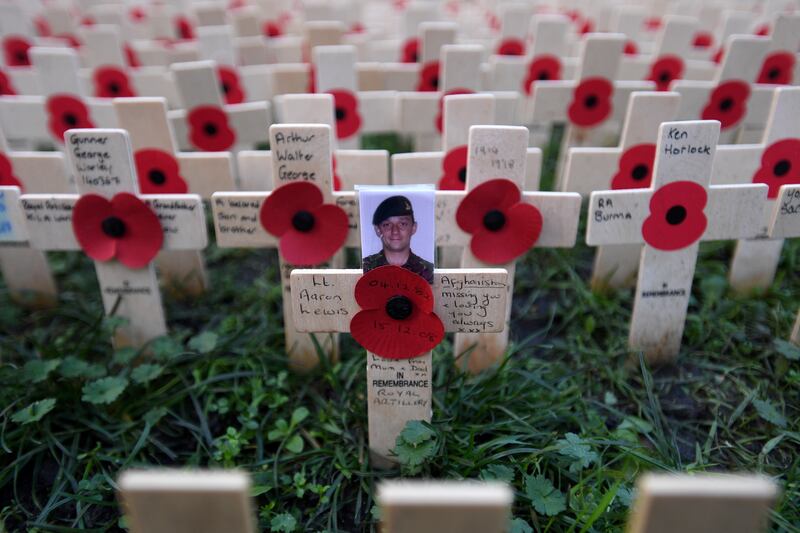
(131,56)
(454,166)
(440,115)
(502,227)
(7,177)
(312,79)
(71,39)
(15,51)
(718,55)
(88,21)
(66,113)
(111,82)
(652,23)
(664,70)
(124,228)
(429,77)
(348,120)
(780,165)
(778,69)
(591,103)
(410,51)
(511,46)
(635,167)
(310,231)
(728,103)
(544,67)
(209,130)
(703,39)
(137,14)
(6,88)
(337,182)
(158,172)
(762,31)
(230,85)
(272,29)
(676,216)
(586,27)
(396,320)
(42,27)
(630,48)
(184,28)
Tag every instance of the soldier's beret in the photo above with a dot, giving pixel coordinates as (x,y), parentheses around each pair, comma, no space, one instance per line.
(394,206)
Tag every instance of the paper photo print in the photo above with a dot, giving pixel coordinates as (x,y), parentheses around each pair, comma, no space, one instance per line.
(397,228)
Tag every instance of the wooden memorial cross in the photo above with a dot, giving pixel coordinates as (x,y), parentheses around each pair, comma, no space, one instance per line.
(515,18)
(702,503)
(16,39)
(355,112)
(350,167)
(671,218)
(119,229)
(414,506)
(507,223)
(206,123)
(161,169)
(186,501)
(25,270)
(774,163)
(399,367)
(34,119)
(785,225)
(301,163)
(628,166)
(591,102)
(726,97)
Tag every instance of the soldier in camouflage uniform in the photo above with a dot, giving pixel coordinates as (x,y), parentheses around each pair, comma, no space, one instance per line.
(394,225)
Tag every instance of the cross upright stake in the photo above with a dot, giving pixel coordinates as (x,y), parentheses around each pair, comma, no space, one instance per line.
(301,154)
(772,162)
(785,224)
(670,219)
(121,230)
(628,166)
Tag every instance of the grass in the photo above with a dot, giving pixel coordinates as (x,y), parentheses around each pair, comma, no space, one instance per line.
(570,418)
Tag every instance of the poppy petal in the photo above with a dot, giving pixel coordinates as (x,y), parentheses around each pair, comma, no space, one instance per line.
(376,286)
(676,216)
(497,194)
(144,235)
(282,204)
(209,129)
(591,103)
(780,165)
(158,172)
(320,243)
(522,228)
(7,177)
(454,166)
(397,339)
(87,223)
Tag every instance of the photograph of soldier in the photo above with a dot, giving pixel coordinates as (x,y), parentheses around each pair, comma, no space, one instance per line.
(395,225)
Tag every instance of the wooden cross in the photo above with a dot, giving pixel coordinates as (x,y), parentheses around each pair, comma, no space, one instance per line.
(630,165)
(356,112)
(414,506)
(124,242)
(590,102)
(351,167)
(770,162)
(186,501)
(399,390)
(301,153)
(206,123)
(515,18)
(161,169)
(671,218)
(501,152)
(703,503)
(32,119)
(25,270)
(785,224)
(16,39)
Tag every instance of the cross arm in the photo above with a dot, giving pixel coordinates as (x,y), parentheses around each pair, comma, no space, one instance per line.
(590,169)
(48,218)
(786,217)
(12,219)
(466,300)
(237,223)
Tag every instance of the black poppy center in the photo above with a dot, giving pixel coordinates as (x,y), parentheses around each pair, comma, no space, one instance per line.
(639,172)
(157,177)
(303,221)
(462,174)
(782,168)
(113,87)
(774,73)
(413,57)
(664,77)
(226,88)
(399,307)
(114,227)
(543,76)
(591,101)
(340,114)
(70,119)
(435,82)
(676,214)
(210,128)
(726,104)
(22,56)
(494,220)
